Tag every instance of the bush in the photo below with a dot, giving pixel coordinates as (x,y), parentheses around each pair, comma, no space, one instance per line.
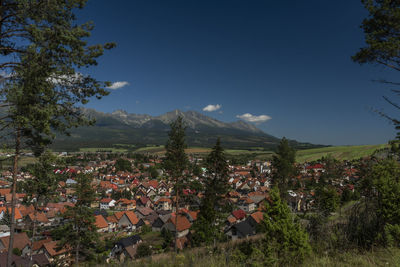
(143,250)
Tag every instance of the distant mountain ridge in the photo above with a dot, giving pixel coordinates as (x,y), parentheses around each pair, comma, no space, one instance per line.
(121,127)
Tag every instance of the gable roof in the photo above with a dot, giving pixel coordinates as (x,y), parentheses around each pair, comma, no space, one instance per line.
(100,222)
(21,240)
(52,248)
(132,217)
(257,216)
(182,222)
(239,214)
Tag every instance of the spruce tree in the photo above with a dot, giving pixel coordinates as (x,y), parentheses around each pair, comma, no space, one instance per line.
(207,227)
(176,163)
(79,232)
(286,242)
(43,50)
(283,163)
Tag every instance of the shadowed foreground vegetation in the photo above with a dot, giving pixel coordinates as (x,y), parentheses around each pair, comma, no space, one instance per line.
(380,257)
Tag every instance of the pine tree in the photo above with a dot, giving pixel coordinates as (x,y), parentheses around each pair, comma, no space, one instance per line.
(79,233)
(207,227)
(43,47)
(283,163)
(176,162)
(286,242)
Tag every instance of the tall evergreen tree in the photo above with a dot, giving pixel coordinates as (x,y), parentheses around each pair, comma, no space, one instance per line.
(382,42)
(208,224)
(43,47)
(283,163)
(176,162)
(286,242)
(79,233)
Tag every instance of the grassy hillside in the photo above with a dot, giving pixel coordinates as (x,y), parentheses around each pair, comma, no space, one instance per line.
(380,257)
(338,152)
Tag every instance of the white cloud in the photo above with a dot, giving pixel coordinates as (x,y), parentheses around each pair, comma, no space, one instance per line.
(117,85)
(211,108)
(253,118)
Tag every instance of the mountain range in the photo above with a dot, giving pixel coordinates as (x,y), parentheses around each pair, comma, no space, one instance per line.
(120,127)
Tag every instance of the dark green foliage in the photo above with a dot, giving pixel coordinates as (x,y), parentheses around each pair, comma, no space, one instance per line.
(44,181)
(376,219)
(17,251)
(327,199)
(152,170)
(207,227)
(79,232)
(143,250)
(382,38)
(176,160)
(382,32)
(283,163)
(168,237)
(286,242)
(123,165)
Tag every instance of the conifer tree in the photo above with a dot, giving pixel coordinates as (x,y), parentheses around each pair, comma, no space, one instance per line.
(286,242)
(43,48)
(283,163)
(176,162)
(207,227)
(79,233)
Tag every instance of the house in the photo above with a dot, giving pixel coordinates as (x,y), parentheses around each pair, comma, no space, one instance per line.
(255,219)
(37,260)
(159,222)
(240,230)
(21,241)
(239,215)
(143,202)
(101,224)
(52,251)
(142,212)
(128,220)
(247,204)
(40,219)
(126,248)
(107,203)
(163,204)
(125,204)
(178,224)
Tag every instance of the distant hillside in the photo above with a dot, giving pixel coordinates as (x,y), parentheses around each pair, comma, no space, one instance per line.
(120,127)
(338,152)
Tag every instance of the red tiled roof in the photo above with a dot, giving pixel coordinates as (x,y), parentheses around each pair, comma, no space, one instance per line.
(239,214)
(183,222)
(100,222)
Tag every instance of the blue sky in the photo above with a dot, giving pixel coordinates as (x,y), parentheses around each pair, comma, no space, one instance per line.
(286,61)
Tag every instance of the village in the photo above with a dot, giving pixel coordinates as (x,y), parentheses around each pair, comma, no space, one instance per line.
(136,207)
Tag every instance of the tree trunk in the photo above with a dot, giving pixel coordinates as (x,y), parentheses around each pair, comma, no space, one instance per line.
(13,198)
(33,232)
(77,251)
(176,217)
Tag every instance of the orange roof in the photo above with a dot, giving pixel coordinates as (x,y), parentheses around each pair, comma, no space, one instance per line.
(5,191)
(21,240)
(17,212)
(132,217)
(40,217)
(183,222)
(257,216)
(100,222)
(112,219)
(52,248)
(38,244)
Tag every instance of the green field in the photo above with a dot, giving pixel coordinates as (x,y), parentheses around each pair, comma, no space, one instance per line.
(337,152)
(101,149)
